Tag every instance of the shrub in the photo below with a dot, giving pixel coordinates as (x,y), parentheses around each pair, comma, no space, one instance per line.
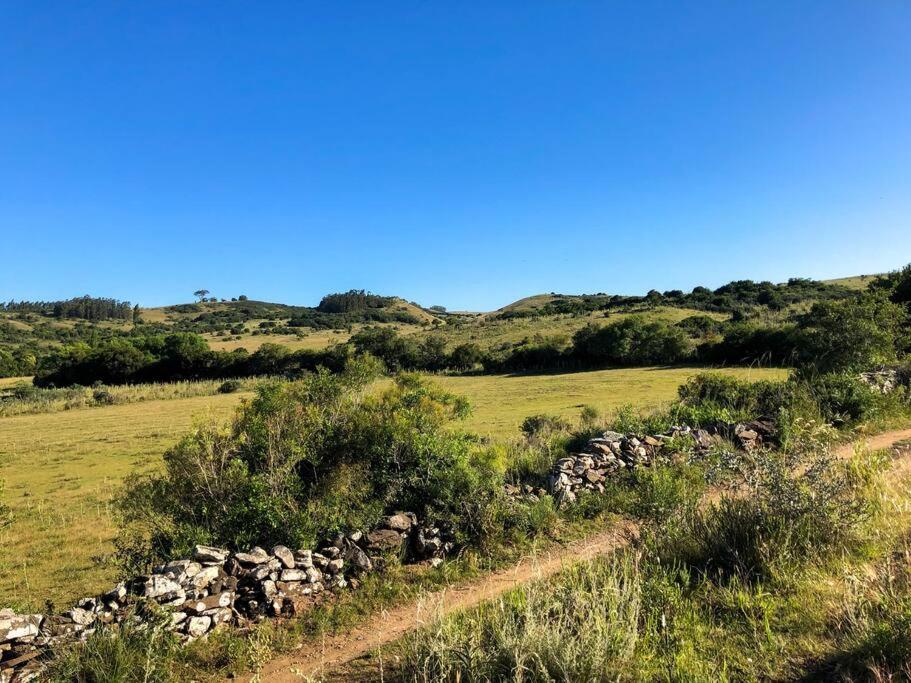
(229,386)
(103,397)
(788,513)
(304,460)
(541,425)
(631,341)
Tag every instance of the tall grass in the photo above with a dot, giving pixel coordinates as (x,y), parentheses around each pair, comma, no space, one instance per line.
(584,628)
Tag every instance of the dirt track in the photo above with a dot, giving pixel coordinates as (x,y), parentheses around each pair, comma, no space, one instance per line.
(332,657)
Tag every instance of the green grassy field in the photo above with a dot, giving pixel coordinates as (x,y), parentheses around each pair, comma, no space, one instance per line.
(61,469)
(501,402)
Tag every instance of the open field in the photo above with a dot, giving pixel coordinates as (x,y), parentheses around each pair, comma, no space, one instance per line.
(500,402)
(61,469)
(6,382)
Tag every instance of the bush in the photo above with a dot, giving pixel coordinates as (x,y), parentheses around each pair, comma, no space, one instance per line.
(307,459)
(229,386)
(541,425)
(632,341)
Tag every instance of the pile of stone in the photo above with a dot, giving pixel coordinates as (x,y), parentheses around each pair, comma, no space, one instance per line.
(886,380)
(215,587)
(601,459)
(612,452)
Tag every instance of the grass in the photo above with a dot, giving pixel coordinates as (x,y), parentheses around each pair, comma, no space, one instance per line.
(62,468)
(60,471)
(643,616)
(55,400)
(501,402)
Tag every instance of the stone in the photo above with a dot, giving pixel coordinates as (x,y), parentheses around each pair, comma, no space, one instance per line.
(162,589)
(611,437)
(358,559)
(209,555)
(384,539)
(206,576)
(181,570)
(255,556)
(335,566)
(284,555)
(398,522)
(17,626)
(198,626)
(314,575)
(331,553)
(303,558)
(294,575)
(210,602)
(116,594)
(80,617)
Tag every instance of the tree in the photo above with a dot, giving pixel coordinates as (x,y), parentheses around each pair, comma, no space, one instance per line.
(852,335)
(201,294)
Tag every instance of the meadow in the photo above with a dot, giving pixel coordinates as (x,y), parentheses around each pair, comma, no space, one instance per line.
(62,469)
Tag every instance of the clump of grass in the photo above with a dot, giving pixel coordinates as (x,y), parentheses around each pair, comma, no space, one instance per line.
(137,651)
(584,628)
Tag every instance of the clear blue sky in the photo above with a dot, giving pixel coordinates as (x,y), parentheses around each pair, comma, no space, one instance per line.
(455,153)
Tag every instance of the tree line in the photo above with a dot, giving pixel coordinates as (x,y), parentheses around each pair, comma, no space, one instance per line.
(85,307)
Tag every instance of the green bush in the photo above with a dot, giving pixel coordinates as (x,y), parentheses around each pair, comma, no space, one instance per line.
(229,386)
(304,460)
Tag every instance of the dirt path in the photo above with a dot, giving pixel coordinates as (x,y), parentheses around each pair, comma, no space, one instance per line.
(321,659)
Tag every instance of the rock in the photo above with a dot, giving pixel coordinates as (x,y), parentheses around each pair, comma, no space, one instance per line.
(16,626)
(358,559)
(566,497)
(284,555)
(116,594)
(436,562)
(332,552)
(255,556)
(398,522)
(335,566)
(314,575)
(162,589)
(209,555)
(208,603)
(198,626)
(303,558)
(294,575)
(206,576)
(80,617)
(384,540)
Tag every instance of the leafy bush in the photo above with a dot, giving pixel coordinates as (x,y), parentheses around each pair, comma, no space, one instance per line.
(306,459)
(541,425)
(631,341)
(229,386)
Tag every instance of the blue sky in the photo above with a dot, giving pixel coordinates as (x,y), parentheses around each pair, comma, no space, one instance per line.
(461,153)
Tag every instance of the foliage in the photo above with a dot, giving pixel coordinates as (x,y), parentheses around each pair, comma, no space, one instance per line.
(353,300)
(852,335)
(631,341)
(306,459)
